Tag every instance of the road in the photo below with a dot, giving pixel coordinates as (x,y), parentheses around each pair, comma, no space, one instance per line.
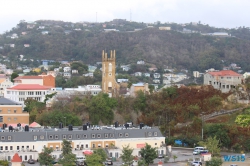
(183,155)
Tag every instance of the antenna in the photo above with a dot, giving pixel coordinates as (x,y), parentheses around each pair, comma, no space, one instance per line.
(130,15)
(96,17)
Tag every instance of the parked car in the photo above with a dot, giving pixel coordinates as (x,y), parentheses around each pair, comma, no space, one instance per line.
(31,161)
(204,151)
(196,163)
(195,152)
(108,162)
(160,156)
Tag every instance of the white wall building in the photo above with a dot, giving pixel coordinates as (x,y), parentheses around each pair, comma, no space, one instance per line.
(19,93)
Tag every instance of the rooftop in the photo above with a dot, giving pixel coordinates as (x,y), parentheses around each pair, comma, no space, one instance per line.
(28,77)
(224,73)
(5,101)
(29,87)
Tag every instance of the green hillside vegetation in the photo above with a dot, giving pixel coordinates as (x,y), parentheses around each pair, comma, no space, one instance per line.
(192,51)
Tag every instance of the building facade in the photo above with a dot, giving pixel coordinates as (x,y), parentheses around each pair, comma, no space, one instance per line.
(12,112)
(44,80)
(21,92)
(28,144)
(109,84)
(138,87)
(224,80)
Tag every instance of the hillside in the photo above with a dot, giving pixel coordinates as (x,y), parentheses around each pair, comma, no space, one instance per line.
(68,41)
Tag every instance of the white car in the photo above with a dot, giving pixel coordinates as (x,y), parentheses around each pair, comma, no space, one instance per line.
(195,152)
(196,163)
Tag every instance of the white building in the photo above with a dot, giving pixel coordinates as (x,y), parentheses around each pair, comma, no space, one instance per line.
(88,89)
(19,93)
(4,83)
(224,80)
(67,69)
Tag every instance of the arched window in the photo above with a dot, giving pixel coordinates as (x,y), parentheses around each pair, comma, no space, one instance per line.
(110,84)
(110,66)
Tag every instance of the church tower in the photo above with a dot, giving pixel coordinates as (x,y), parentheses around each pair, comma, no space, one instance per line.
(109,84)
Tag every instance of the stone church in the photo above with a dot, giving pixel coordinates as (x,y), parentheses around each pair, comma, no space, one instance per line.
(109,84)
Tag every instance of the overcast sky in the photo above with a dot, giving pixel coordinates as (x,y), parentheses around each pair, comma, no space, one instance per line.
(218,13)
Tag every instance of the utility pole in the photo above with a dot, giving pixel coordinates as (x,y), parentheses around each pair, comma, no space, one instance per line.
(96,17)
(202,126)
(130,15)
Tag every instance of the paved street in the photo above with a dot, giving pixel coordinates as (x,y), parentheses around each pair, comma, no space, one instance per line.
(182,156)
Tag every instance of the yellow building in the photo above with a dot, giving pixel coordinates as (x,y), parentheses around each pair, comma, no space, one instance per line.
(138,87)
(12,112)
(109,84)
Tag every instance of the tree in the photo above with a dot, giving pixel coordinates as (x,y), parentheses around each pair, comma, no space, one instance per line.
(149,154)
(126,156)
(4,163)
(243,120)
(101,153)
(94,159)
(174,157)
(68,158)
(100,109)
(215,161)
(13,76)
(45,157)
(212,145)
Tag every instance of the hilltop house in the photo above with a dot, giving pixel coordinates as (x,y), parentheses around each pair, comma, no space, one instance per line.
(157,75)
(224,80)
(138,74)
(147,74)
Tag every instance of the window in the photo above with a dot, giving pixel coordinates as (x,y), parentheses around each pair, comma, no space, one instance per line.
(2,138)
(120,134)
(14,111)
(98,135)
(93,135)
(85,136)
(107,145)
(8,111)
(93,146)
(78,136)
(56,136)
(1,118)
(34,137)
(126,134)
(42,137)
(9,119)
(27,147)
(50,136)
(106,135)
(15,119)
(70,136)
(155,143)
(111,135)
(1,147)
(0,111)
(155,134)
(6,147)
(11,147)
(64,137)
(99,145)
(9,137)
(149,134)
(17,148)
(110,66)
(87,146)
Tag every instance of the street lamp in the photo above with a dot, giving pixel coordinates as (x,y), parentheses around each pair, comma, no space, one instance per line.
(64,121)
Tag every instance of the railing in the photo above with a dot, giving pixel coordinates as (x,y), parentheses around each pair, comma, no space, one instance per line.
(222,112)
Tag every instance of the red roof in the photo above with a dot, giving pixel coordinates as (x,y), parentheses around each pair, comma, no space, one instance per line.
(16,158)
(29,87)
(28,77)
(224,73)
